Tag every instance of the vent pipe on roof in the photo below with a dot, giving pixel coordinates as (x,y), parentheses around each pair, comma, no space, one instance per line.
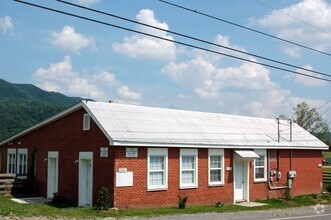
(291,122)
(278,133)
(111,101)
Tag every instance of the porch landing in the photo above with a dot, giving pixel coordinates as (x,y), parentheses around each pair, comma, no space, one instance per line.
(31,200)
(250,204)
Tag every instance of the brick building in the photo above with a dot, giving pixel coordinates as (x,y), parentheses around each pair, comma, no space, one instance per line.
(146,157)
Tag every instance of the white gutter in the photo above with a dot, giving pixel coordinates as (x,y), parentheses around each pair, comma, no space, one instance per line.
(216,145)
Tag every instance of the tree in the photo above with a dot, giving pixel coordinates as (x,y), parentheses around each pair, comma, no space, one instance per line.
(309,119)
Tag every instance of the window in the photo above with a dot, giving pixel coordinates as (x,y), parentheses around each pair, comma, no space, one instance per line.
(260,164)
(11,160)
(188,168)
(22,161)
(157,163)
(216,166)
(86,122)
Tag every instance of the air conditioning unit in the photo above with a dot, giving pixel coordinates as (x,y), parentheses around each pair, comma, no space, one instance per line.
(291,174)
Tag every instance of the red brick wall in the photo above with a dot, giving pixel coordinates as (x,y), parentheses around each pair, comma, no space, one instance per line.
(309,175)
(67,136)
(138,196)
(305,162)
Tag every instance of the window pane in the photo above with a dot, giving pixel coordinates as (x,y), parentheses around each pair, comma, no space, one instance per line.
(156,163)
(259,173)
(12,163)
(259,161)
(215,175)
(215,161)
(188,162)
(156,178)
(187,176)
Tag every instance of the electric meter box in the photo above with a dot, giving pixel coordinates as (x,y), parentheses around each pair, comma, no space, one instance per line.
(291,174)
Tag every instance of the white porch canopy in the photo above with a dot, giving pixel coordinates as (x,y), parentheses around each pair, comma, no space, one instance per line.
(246,154)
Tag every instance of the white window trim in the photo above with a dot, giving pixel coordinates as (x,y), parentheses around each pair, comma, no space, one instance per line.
(22,151)
(261,153)
(158,152)
(11,151)
(87,122)
(188,152)
(216,152)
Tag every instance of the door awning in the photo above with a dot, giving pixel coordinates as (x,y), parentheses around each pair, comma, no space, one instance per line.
(247,154)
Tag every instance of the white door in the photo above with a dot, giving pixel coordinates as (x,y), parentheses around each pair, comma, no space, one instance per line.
(239,179)
(52,173)
(85,179)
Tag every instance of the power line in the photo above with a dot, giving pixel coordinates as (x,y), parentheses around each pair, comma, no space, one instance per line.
(244,27)
(192,38)
(316,111)
(169,40)
(291,16)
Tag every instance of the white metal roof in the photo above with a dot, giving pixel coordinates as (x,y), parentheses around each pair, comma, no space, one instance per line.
(131,125)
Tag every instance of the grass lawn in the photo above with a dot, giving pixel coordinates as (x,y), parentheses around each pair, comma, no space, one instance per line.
(10,208)
(326,154)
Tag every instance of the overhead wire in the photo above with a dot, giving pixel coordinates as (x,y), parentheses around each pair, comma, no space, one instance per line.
(192,38)
(295,18)
(170,40)
(244,27)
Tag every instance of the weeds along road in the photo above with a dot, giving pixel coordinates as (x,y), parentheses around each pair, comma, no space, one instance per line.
(318,212)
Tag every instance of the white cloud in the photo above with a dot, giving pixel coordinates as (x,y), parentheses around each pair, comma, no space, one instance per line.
(245,88)
(6,24)
(60,77)
(257,108)
(69,39)
(105,76)
(183,96)
(207,79)
(308,80)
(61,71)
(86,2)
(292,51)
(83,87)
(139,46)
(314,12)
(126,93)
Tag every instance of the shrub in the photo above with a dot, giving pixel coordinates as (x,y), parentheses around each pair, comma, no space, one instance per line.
(60,201)
(104,199)
(328,188)
(218,204)
(182,202)
(287,194)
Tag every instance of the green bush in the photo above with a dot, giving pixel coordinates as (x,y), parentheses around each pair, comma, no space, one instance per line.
(182,202)
(328,188)
(60,201)
(105,200)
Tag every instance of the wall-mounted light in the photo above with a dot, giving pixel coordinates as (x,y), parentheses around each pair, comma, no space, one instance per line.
(45,159)
(19,143)
(76,161)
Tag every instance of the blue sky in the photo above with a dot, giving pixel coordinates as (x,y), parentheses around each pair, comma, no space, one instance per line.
(79,58)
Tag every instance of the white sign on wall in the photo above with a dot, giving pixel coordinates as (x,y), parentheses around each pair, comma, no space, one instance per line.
(103,151)
(124,179)
(131,152)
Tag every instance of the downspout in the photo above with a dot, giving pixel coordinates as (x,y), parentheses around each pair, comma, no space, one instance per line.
(269,182)
(290,159)
(278,163)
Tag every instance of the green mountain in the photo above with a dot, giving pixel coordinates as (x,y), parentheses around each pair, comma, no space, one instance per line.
(24,105)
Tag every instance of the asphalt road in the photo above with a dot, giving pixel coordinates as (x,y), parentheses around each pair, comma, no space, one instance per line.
(307,213)
(318,212)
